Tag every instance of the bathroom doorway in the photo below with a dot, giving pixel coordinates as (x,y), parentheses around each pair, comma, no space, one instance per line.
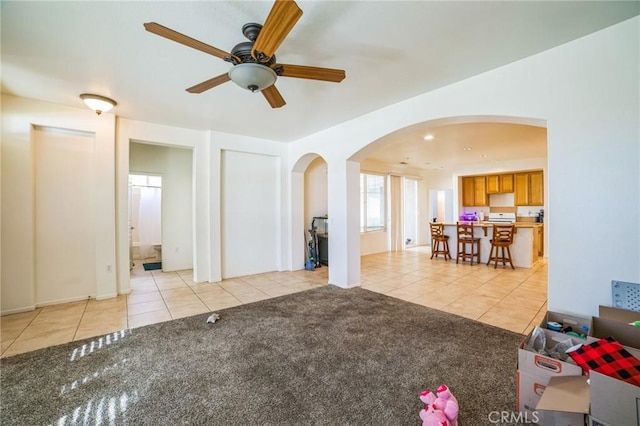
(145,219)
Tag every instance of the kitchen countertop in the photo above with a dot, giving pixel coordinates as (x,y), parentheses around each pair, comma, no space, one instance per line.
(487,225)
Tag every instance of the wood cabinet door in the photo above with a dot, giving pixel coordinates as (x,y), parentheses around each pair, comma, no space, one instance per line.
(536,189)
(480,191)
(521,189)
(506,183)
(493,184)
(540,241)
(467,192)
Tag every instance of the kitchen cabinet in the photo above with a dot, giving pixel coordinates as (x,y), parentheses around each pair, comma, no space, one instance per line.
(541,240)
(467,191)
(498,184)
(506,183)
(529,189)
(493,184)
(536,190)
(480,191)
(474,191)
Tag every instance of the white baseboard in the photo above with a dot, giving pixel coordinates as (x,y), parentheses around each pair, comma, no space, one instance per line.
(18,310)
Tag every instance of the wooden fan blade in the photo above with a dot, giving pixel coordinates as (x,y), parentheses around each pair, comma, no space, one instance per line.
(283,16)
(209,84)
(312,73)
(273,96)
(165,32)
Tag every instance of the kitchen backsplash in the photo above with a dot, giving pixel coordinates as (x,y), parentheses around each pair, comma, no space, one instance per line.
(503,200)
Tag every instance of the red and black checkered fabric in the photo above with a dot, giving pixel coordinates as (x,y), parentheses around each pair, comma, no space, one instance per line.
(609,357)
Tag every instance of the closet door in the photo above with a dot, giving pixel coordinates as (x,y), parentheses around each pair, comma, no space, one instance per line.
(65,225)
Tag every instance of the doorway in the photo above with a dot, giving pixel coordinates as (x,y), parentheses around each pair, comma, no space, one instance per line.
(145,219)
(441,202)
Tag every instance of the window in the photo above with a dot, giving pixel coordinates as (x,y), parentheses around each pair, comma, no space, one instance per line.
(372,205)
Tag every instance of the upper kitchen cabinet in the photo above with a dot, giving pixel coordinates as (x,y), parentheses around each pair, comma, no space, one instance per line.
(506,183)
(497,184)
(474,191)
(529,189)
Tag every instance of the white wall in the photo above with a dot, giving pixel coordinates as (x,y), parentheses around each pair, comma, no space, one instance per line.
(19,118)
(175,167)
(587,92)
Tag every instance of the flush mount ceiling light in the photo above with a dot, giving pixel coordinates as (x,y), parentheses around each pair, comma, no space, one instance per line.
(253,77)
(428,137)
(98,103)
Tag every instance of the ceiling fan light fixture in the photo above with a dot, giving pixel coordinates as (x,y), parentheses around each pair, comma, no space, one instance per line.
(98,103)
(253,77)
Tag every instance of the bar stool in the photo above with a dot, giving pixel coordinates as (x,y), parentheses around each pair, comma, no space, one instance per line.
(501,239)
(439,241)
(466,237)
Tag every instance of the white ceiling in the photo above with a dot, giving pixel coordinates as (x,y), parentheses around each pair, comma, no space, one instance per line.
(458,147)
(391,51)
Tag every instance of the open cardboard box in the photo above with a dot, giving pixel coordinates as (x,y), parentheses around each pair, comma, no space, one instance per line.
(609,401)
(577,324)
(535,370)
(614,322)
(543,365)
(613,401)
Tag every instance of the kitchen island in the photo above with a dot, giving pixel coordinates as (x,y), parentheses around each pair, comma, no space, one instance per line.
(524,250)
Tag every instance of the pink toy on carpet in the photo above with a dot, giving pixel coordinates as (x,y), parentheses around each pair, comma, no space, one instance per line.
(441,409)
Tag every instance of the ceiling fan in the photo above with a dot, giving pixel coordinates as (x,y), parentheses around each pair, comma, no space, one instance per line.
(254,61)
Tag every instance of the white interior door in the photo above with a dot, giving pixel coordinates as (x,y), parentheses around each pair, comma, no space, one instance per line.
(65,225)
(250,214)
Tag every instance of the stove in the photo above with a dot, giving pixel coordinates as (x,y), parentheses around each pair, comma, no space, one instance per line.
(501,218)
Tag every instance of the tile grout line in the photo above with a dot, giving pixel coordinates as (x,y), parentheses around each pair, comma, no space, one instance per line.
(23,330)
(80,321)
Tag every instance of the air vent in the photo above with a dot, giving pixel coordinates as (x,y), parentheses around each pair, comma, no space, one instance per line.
(625,295)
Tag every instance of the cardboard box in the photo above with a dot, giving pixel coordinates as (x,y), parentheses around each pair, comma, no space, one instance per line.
(565,401)
(613,401)
(535,370)
(577,324)
(529,390)
(541,365)
(610,402)
(614,322)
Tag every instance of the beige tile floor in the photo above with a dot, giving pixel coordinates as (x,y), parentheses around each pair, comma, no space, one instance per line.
(506,298)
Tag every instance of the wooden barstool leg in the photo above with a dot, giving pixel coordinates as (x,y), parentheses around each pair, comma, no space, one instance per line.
(510,262)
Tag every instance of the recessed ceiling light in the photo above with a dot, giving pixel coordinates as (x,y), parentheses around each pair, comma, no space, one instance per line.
(428,137)
(467,148)
(484,156)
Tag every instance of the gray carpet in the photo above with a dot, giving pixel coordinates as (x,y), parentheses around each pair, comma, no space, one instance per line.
(326,356)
